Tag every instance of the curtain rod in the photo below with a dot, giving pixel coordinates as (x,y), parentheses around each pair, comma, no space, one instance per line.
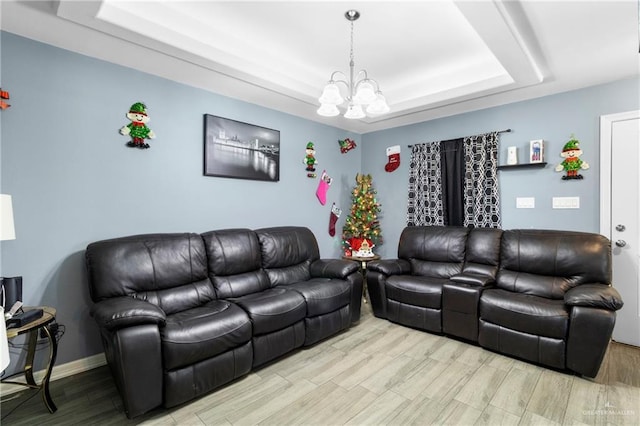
(499,131)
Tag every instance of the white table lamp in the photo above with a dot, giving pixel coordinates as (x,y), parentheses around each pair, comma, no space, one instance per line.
(7,232)
(4,343)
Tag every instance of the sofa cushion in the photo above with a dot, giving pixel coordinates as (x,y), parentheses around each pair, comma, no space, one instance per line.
(548,263)
(418,291)
(235,263)
(482,255)
(200,333)
(168,270)
(287,253)
(435,251)
(323,295)
(272,309)
(525,313)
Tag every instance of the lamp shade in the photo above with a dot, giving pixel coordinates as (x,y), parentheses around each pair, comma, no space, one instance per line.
(4,343)
(7,230)
(364,93)
(354,112)
(331,95)
(379,106)
(328,110)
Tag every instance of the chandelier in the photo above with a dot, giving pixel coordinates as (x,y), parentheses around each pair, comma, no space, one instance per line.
(362,91)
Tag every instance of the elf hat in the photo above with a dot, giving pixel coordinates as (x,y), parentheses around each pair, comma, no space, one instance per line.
(138,108)
(571,145)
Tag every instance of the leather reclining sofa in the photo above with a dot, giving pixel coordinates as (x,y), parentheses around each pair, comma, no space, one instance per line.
(538,295)
(183,314)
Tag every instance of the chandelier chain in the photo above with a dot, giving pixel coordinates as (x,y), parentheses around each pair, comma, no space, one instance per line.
(351,52)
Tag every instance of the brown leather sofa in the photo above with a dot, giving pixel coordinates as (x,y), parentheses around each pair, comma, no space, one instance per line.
(183,314)
(539,295)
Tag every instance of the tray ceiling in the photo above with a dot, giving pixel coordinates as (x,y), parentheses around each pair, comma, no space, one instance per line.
(431,58)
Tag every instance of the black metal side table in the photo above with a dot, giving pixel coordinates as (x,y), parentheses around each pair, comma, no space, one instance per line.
(363,269)
(33,328)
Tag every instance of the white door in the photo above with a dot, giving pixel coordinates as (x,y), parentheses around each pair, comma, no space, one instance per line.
(619,215)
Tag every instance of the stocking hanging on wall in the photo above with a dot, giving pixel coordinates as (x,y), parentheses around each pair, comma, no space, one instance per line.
(323,187)
(393,158)
(333,218)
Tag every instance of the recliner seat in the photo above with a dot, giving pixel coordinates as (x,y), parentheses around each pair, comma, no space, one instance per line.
(544,296)
(411,287)
(183,314)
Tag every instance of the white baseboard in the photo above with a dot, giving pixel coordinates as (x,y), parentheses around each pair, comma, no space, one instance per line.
(59,372)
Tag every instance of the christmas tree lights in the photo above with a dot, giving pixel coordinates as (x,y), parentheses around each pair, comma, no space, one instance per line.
(362,222)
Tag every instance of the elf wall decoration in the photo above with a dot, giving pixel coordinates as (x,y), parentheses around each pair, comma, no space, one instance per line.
(138,129)
(572,162)
(310,160)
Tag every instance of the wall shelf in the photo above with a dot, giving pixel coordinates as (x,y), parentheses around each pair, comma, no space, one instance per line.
(522,166)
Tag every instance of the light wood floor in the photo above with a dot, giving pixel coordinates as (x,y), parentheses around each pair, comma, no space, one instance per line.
(375,373)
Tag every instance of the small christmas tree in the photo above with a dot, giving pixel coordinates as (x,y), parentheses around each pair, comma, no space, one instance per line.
(362,222)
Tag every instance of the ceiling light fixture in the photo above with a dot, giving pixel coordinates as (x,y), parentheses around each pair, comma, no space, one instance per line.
(361,91)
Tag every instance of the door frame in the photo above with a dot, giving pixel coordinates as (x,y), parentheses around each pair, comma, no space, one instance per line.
(606,124)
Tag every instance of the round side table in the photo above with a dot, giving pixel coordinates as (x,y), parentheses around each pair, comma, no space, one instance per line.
(32,329)
(363,269)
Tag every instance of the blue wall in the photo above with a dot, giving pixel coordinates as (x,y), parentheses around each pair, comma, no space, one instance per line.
(73,181)
(552,118)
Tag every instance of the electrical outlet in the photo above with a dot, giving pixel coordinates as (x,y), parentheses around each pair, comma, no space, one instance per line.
(565,202)
(525,203)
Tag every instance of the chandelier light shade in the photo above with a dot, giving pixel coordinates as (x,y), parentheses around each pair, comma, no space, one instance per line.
(331,95)
(379,106)
(354,111)
(328,110)
(361,91)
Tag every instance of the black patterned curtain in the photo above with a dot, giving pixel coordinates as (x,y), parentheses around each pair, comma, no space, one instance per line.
(425,186)
(481,191)
(455,182)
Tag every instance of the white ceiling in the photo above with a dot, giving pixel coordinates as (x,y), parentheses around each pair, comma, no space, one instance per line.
(430,58)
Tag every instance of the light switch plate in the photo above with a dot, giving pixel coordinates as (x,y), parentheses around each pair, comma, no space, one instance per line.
(525,203)
(566,202)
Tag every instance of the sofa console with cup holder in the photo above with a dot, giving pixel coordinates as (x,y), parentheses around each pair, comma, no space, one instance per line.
(543,296)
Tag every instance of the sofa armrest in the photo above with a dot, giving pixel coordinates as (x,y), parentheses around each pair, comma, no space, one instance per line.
(120,312)
(332,268)
(595,296)
(390,266)
(474,280)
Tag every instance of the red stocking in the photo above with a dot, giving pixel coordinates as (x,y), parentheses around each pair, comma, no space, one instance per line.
(333,218)
(393,154)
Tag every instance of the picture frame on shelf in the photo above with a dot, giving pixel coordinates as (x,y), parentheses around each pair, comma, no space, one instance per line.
(234,149)
(536,151)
